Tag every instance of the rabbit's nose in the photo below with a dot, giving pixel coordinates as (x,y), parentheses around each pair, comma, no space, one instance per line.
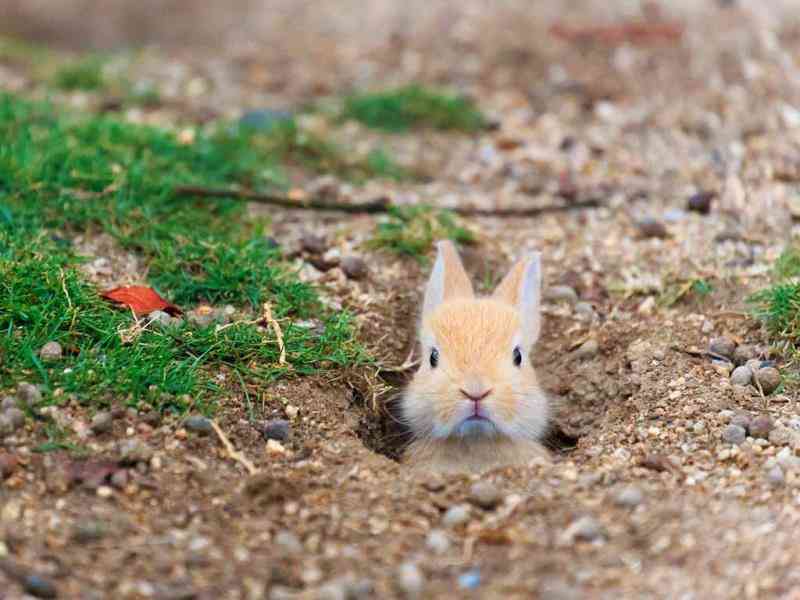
(476,397)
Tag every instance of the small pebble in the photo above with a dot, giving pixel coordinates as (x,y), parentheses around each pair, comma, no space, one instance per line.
(456,515)
(775,476)
(133,451)
(288,541)
(275,447)
(7,402)
(277,429)
(585,311)
(588,349)
(51,351)
(38,586)
(8,464)
(787,460)
(28,394)
(760,427)
(199,425)
(313,243)
(437,541)
(291,411)
(741,419)
(561,293)
(5,426)
(160,318)
(354,267)
(734,434)
(722,346)
(651,228)
(16,417)
(629,497)
(470,579)
(753,364)
(410,580)
(102,422)
(743,353)
(700,202)
(485,495)
(769,378)
(88,531)
(741,376)
(584,529)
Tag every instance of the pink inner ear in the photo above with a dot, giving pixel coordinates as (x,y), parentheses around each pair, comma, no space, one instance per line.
(510,288)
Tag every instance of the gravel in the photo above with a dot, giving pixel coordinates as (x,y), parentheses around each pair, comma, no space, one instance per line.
(734,434)
(456,515)
(198,424)
(51,351)
(769,378)
(741,376)
(102,422)
(485,495)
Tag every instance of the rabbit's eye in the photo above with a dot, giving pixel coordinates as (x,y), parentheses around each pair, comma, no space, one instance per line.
(434,357)
(517,357)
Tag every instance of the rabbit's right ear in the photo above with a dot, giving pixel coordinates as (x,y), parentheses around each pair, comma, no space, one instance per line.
(448,279)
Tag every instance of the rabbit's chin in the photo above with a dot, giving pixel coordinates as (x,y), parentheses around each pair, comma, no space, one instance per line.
(475,428)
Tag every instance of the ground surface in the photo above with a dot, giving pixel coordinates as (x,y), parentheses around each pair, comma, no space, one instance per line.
(642,125)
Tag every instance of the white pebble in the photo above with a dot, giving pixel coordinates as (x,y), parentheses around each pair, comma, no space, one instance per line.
(410,579)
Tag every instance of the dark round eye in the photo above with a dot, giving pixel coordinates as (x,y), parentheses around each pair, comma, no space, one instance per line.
(434,357)
(517,357)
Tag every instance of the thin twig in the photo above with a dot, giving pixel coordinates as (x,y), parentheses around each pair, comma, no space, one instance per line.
(277,329)
(378,206)
(232,452)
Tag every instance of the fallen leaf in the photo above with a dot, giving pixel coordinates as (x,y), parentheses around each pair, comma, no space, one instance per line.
(638,33)
(142,299)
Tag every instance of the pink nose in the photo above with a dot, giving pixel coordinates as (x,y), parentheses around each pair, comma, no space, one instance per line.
(476,397)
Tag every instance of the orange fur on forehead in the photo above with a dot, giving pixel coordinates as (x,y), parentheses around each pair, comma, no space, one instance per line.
(472,331)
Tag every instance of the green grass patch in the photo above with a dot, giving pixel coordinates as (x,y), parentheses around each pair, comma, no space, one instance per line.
(85,73)
(414,106)
(61,174)
(778,305)
(412,230)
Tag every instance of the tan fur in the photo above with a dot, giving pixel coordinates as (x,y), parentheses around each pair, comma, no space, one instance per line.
(475,339)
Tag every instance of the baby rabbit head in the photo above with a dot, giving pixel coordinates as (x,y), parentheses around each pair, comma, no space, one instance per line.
(476,381)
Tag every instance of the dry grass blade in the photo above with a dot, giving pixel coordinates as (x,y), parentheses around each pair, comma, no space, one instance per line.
(232,452)
(276,328)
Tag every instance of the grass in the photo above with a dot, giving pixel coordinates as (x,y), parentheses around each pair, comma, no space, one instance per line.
(413,106)
(778,305)
(412,230)
(85,73)
(62,174)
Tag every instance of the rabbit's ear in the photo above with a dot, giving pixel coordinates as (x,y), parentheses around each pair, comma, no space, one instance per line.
(448,279)
(522,288)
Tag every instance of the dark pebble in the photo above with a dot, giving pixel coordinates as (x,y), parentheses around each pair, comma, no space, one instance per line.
(152,418)
(722,346)
(8,464)
(743,353)
(315,244)
(354,267)
(769,378)
(652,228)
(277,429)
(199,425)
(760,427)
(701,202)
(102,422)
(38,586)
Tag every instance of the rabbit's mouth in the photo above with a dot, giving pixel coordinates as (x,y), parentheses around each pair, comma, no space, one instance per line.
(476,426)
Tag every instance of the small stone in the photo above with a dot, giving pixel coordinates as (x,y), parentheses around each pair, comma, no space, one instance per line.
(5,426)
(733,434)
(775,476)
(743,353)
(585,311)
(782,436)
(38,586)
(787,460)
(160,318)
(584,529)
(198,424)
(275,447)
(410,580)
(312,243)
(768,378)
(588,349)
(16,417)
(438,541)
(28,394)
(561,293)
(760,427)
(133,451)
(51,351)
(722,346)
(354,267)
(485,495)
(629,497)
(700,202)
(741,376)
(291,411)
(470,579)
(456,515)
(723,367)
(753,364)
(101,423)
(7,402)
(433,484)
(651,228)
(288,541)
(119,479)
(741,419)
(8,464)
(277,429)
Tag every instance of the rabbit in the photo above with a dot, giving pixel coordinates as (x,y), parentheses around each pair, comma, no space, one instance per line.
(475,402)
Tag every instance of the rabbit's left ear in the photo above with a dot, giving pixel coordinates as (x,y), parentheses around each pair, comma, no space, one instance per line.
(522,288)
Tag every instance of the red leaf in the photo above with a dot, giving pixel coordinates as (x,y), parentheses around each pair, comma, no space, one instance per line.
(143,300)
